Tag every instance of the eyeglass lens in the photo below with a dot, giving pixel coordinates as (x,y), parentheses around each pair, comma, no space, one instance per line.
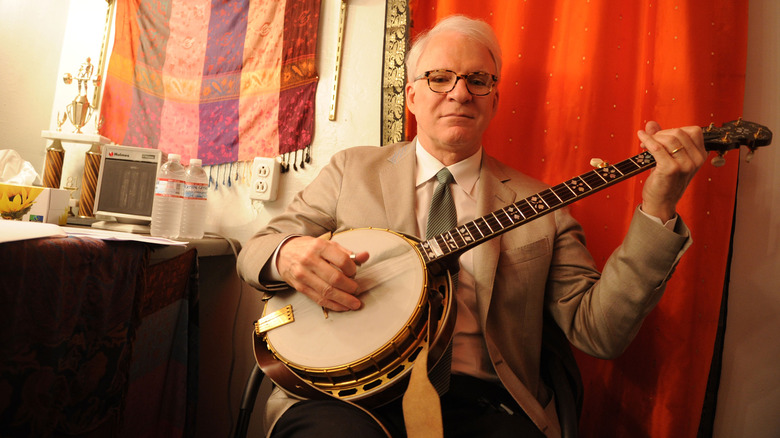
(444,81)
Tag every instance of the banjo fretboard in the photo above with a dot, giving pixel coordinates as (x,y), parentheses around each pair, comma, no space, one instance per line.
(466,236)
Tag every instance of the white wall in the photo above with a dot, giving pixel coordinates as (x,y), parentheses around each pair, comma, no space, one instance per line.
(749,394)
(36,48)
(31,35)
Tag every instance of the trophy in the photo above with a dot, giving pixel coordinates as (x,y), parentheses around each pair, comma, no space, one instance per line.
(79,110)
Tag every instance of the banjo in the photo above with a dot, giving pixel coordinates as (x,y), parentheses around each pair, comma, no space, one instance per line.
(366,356)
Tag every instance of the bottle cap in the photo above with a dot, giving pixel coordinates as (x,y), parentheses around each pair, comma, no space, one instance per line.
(196,162)
(172,157)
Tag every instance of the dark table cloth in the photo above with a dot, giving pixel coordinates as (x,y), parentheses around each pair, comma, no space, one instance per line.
(84,323)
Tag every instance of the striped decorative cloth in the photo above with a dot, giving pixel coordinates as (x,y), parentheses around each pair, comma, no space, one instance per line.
(218,80)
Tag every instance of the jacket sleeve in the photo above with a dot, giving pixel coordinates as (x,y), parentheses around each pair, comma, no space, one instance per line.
(312,212)
(601,315)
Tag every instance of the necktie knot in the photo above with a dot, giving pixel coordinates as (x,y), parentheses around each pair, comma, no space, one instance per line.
(444,176)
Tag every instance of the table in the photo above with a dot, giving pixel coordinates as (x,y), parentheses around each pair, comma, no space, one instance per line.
(96,340)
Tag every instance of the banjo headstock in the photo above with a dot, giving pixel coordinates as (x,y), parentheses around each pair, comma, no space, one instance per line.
(734,134)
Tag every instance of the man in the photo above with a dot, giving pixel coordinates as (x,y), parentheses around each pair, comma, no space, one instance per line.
(506,285)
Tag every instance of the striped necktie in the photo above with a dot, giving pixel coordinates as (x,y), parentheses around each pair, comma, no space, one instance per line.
(442,215)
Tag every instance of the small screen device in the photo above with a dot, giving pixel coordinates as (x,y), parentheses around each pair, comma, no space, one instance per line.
(125,188)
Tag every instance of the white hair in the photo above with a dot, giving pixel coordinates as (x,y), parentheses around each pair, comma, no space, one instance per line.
(470,27)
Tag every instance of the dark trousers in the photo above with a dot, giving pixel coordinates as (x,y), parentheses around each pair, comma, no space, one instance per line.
(470,408)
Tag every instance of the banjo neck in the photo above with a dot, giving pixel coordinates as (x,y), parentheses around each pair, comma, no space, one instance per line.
(445,248)
(450,244)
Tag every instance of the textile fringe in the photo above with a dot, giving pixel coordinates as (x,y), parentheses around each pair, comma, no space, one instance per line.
(297,161)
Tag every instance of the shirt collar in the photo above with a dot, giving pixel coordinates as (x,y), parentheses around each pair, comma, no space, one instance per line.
(465,172)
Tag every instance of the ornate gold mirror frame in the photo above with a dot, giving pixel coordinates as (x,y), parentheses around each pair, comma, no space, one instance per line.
(101,65)
(394,71)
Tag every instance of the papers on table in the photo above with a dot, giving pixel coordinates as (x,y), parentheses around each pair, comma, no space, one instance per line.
(18,230)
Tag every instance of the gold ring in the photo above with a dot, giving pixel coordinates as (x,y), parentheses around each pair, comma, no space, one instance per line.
(677,150)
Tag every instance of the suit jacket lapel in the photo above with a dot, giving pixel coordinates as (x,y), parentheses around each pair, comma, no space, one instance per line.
(398,190)
(492,195)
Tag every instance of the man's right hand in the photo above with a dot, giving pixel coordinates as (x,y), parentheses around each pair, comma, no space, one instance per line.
(322,270)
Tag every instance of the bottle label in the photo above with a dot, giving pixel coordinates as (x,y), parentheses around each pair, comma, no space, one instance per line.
(195,190)
(173,188)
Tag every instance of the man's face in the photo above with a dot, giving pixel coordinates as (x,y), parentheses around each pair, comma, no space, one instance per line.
(452,124)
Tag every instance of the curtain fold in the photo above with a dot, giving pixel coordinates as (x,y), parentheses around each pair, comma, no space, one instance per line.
(579,79)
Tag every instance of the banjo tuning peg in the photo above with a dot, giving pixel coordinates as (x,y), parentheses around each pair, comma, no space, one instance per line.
(719,160)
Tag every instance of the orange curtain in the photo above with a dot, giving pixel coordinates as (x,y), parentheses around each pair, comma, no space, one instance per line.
(579,79)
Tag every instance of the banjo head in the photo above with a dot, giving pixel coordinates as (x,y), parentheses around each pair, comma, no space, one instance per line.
(347,350)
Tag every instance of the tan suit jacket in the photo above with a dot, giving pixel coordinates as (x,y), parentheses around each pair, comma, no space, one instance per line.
(539,267)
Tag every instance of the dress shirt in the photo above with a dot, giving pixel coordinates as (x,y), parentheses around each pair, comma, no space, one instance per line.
(469,352)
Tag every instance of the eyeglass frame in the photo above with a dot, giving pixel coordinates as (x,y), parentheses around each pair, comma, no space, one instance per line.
(426,76)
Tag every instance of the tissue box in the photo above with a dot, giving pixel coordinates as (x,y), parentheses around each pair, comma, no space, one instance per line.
(34,204)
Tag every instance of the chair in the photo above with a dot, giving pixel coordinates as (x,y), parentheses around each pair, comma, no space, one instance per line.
(560,372)
(248,401)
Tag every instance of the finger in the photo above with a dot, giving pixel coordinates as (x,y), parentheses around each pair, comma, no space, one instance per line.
(652,127)
(323,257)
(650,143)
(688,146)
(666,145)
(324,293)
(343,259)
(332,298)
(360,257)
(305,264)
(331,283)
(357,259)
(696,149)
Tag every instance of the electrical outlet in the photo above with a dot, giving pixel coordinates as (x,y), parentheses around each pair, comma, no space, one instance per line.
(264,184)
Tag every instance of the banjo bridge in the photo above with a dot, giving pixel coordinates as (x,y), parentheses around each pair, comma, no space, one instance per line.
(275,319)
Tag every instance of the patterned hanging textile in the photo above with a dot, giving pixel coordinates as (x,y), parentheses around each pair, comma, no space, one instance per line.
(223,81)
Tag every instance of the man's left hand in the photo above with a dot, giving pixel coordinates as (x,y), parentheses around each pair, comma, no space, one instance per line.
(679,153)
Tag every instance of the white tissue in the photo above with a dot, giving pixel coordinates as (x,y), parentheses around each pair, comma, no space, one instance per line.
(14,170)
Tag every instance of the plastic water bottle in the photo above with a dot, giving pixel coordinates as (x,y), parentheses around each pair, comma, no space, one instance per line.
(168,198)
(193,216)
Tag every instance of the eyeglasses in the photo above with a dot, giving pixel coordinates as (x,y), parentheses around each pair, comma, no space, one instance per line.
(478,83)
